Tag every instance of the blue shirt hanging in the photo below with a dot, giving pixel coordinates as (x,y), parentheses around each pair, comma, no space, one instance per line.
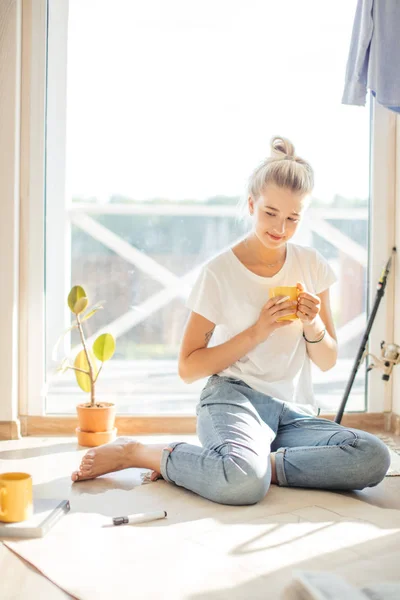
(374,57)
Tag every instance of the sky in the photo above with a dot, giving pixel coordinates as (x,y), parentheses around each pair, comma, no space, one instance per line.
(178,99)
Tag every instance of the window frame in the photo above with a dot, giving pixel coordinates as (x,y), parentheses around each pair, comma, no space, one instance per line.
(382,236)
(10,123)
(37,153)
(32,206)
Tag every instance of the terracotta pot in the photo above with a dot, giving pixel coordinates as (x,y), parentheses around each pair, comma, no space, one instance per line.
(89,438)
(97,418)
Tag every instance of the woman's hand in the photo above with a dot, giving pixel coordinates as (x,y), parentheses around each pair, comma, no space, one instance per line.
(268,320)
(308,306)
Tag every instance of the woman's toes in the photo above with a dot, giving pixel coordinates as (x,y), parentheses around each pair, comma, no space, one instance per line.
(85,469)
(82,475)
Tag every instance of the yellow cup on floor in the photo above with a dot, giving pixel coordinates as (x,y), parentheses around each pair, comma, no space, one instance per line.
(16,503)
(289,290)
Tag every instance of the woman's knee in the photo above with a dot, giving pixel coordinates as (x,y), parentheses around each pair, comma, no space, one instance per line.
(236,495)
(244,482)
(376,460)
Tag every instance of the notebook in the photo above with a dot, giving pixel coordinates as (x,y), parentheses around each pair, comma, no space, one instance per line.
(46,512)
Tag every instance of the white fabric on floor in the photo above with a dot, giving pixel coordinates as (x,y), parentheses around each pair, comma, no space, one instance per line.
(322,585)
(208,551)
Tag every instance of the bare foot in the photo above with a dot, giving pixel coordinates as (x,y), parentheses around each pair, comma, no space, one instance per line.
(107,459)
(124,453)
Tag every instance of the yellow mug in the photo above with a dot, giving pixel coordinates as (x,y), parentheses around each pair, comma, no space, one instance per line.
(16,502)
(290,290)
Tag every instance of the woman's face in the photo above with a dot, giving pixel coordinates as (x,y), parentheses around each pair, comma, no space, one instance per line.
(276,213)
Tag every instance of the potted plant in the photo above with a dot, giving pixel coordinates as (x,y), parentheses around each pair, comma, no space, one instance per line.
(96,419)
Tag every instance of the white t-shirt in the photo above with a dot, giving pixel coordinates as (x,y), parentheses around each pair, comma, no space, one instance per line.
(231,296)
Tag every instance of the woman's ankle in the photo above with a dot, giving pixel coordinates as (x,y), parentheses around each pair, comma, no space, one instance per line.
(148,456)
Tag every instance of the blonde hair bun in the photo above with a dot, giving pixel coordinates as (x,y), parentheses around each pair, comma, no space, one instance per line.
(281,148)
(282,168)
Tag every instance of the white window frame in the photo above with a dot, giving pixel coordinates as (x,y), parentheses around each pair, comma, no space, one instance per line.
(10,77)
(382,239)
(32,397)
(32,222)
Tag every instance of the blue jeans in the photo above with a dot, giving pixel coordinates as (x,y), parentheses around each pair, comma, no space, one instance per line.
(239,428)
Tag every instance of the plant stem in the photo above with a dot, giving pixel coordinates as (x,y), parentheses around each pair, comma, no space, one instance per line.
(91,373)
(98,372)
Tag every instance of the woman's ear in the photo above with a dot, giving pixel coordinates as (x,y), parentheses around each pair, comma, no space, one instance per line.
(251,205)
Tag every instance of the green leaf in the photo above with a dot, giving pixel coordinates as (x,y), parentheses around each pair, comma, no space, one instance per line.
(77,299)
(104,347)
(81,362)
(91,313)
(81,305)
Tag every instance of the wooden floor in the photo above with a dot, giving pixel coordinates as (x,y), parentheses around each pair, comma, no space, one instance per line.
(51,459)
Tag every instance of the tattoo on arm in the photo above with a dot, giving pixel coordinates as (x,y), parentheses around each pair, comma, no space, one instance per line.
(209,335)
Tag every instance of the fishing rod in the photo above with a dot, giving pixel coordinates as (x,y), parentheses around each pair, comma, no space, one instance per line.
(361,351)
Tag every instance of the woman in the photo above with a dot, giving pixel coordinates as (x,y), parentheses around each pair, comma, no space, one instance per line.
(256,416)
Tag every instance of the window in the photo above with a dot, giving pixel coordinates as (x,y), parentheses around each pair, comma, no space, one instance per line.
(169,107)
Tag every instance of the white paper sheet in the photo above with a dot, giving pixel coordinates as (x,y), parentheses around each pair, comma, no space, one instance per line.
(208,551)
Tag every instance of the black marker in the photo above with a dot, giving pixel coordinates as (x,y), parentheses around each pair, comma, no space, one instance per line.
(140,518)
